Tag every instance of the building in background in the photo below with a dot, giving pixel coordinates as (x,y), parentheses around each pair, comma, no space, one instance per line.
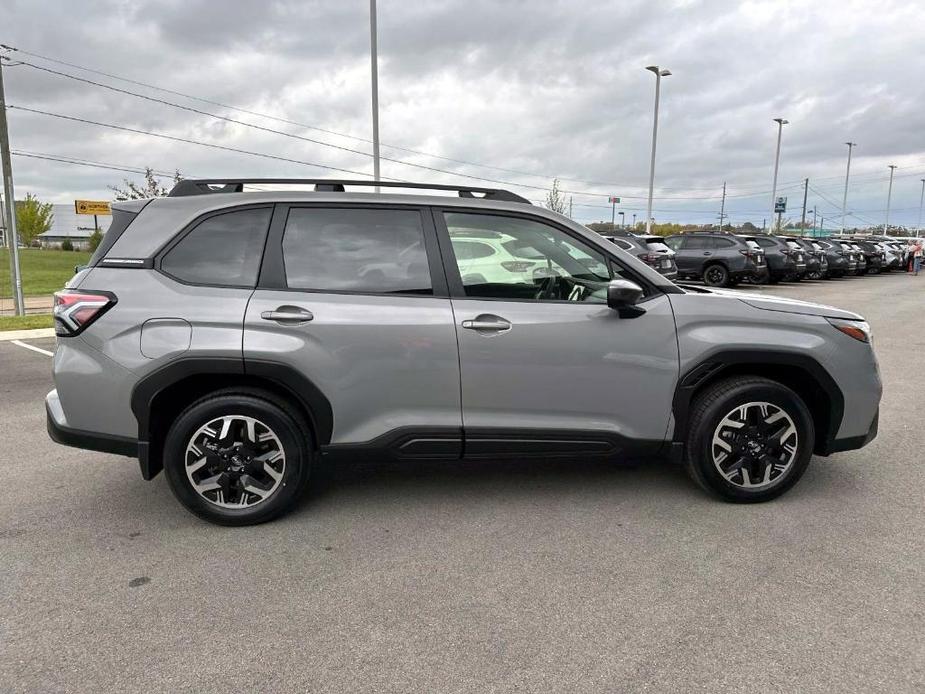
(67,224)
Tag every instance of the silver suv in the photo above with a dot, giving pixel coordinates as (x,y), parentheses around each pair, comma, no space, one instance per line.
(242,340)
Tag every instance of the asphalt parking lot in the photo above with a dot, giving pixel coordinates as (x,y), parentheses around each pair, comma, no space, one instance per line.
(564,576)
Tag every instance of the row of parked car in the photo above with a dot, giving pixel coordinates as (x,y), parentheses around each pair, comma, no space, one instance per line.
(725,259)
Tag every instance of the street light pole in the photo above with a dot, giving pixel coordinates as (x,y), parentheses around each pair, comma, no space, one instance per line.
(9,208)
(844,200)
(623,220)
(722,207)
(634,221)
(374,65)
(814,221)
(781,122)
(659,73)
(889,195)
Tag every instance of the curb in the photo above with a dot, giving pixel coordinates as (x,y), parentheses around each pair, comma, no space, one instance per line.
(8,335)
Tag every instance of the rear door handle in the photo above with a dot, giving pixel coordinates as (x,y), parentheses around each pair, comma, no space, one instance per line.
(288,314)
(487,323)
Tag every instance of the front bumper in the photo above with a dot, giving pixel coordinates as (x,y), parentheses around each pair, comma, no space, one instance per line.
(854,442)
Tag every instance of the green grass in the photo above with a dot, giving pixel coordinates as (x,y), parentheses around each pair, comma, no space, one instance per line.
(44,271)
(42,320)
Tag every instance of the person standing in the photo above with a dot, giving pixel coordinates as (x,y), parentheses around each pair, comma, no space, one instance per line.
(917,259)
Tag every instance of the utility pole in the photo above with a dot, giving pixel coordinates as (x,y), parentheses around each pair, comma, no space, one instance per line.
(918,227)
(814,221)
(889,195)
(803,218)
(374,65)
(781,122)
(722,207)
(12,238)
(659,73)
(844,200)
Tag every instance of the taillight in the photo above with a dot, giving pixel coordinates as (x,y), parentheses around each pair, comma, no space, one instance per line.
(517,265)
(75,310)
(650,258)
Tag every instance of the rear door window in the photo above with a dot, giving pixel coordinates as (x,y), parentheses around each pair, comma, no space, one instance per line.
(222,250)
(697,243)
(356,250)
(724,243)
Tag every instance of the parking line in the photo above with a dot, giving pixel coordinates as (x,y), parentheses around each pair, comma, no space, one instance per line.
(33,348)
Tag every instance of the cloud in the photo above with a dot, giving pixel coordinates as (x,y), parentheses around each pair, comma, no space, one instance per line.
(548,88)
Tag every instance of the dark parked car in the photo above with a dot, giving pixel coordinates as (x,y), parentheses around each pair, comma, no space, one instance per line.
(721,259)
(649,249)
(784,263)
(876,258)
(817,266)
(840,261)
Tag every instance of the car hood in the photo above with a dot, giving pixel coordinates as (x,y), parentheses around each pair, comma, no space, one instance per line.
(776,303)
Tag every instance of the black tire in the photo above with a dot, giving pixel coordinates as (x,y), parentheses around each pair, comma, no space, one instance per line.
(722,398)
(715,275)
(290,429)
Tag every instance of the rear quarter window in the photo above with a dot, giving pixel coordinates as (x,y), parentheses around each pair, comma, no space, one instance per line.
(222,250)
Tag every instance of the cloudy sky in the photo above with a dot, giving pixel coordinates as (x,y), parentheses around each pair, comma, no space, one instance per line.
(515,92)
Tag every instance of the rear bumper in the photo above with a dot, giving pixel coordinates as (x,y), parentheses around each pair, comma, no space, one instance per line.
(61,433)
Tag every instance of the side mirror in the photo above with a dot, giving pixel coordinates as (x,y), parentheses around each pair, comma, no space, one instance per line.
(622,294)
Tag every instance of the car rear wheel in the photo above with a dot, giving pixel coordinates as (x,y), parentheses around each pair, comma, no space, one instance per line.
(750,439)
(715,276)
(238,458)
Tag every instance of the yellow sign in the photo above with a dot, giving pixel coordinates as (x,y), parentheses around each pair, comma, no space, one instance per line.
(92,207)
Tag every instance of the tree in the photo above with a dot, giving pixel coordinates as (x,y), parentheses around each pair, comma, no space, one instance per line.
(555,201)
(96,238)
(66,245)
(33,218)
(149,189)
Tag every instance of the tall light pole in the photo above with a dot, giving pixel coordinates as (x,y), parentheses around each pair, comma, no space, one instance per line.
(622,220)
(918,227)
(844,200)
(634,221)
(781,122)
(374,65)
(889,195)
(659,73)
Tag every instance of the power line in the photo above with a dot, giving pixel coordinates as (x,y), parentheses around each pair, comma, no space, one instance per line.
(188,141)
(93,164)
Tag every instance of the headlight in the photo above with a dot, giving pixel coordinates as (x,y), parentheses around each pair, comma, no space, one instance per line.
(858,329)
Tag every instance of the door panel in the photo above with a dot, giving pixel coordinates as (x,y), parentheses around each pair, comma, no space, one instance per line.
(568,367)
(384,362)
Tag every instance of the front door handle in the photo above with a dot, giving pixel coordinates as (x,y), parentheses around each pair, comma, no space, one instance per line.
(487,323)
(288,314)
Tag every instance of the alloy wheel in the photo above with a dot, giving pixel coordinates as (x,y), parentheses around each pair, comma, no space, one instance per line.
(755,445)
(715,275)
(235,461)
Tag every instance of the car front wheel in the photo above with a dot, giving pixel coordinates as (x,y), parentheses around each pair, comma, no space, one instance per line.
(750,439)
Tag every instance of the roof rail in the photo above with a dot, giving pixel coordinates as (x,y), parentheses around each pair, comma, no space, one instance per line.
(205,186)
